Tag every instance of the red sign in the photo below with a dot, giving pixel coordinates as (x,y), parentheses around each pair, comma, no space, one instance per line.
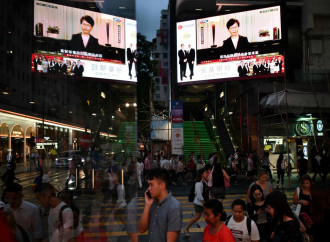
(85,140)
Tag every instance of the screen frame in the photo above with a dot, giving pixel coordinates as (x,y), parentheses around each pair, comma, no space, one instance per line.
(282,46)
(83,6)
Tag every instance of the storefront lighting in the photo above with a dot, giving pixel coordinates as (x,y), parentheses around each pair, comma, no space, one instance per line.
(5,92)
(222,94)
(127,105)
(134,104)
(25,117)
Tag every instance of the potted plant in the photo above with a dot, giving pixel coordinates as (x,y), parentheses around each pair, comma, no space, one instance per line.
(53,32)
(264,34)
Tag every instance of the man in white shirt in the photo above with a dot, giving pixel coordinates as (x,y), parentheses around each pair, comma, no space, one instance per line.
(58,229)
(26,214)
(238,224)
(165,163)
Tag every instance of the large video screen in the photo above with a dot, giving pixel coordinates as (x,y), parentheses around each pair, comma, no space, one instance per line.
(235,46)
(82,43)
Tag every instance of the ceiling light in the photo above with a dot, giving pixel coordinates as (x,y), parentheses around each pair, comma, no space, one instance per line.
(199,9)
(32,102)
(127,105)
(122,7)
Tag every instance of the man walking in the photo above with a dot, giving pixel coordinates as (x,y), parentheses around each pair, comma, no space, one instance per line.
(60,218)
(162,214)
(26,214)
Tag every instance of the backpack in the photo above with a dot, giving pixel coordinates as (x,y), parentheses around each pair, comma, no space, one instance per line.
(192,193)
(248,223)
(205,193)
(255,161)
(60,215)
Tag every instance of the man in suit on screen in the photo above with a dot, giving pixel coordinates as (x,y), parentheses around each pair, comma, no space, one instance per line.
(131,59)
(191,59)
(182,61)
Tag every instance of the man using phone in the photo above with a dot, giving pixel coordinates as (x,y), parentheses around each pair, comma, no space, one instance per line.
(162,214)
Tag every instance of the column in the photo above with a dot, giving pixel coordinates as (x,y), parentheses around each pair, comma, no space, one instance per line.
(24,148)
(70,139)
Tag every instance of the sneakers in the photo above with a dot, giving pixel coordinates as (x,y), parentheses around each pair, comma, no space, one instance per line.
(186,232)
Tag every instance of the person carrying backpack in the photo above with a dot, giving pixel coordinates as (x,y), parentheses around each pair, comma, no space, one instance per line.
(60,218)
(201,195)
(244,229)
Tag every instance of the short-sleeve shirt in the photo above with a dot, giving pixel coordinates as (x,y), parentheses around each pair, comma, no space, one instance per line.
(165,216)
(288,231)
(223,235)
(241,232)
(28,217)
(53,219)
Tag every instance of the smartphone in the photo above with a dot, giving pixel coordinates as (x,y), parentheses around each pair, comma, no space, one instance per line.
(306,217)
(148,194)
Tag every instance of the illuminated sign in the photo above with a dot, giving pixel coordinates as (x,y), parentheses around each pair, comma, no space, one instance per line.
(106,49)
(234,46)
(303,128)
(319,125)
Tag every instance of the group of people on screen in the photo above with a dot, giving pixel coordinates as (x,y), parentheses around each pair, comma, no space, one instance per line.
(44,64)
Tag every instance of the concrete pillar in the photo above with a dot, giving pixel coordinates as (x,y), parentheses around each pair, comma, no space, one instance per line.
(70,140)
(24,148)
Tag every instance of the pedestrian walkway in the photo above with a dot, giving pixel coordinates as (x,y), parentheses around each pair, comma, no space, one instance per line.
(98,205)
(112,219)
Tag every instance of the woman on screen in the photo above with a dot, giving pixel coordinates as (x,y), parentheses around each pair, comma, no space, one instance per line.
(84,41)
(235,43)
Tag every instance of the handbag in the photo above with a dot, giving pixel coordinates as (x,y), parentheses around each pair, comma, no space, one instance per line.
(227,184)
(210,181)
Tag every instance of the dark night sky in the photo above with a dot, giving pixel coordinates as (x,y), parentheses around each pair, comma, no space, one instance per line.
(148,16)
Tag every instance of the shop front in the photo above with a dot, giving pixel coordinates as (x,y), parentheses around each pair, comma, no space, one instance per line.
(305,135)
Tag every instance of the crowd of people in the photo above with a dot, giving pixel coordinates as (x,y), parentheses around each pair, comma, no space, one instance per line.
(265,214)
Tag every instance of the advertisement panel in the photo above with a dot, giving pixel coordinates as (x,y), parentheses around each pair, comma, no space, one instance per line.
(83,43)
(177,127)
(242,45)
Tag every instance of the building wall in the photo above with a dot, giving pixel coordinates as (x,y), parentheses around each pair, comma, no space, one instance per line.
(161,55)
